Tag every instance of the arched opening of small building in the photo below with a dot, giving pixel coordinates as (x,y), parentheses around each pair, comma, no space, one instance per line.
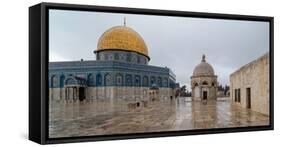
(81,93)
(205,83)
(205,95)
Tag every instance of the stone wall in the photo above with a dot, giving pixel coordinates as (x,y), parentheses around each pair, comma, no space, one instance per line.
(254,76)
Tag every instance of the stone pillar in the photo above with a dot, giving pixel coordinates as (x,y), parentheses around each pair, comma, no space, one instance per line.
(74,93)
(192,92)
(66,94)
(200,94)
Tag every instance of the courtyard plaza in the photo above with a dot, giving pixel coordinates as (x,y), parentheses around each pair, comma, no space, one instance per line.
(103,117)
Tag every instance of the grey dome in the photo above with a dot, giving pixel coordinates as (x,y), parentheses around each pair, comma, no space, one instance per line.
(203,69)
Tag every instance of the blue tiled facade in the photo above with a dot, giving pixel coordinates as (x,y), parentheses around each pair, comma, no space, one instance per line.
(108,73)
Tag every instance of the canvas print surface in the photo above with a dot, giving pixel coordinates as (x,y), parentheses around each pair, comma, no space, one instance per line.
(115,73)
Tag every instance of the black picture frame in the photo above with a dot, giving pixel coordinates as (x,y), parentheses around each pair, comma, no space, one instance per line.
(38,71)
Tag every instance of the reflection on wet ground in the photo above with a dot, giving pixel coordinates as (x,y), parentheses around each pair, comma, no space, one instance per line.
(105,117)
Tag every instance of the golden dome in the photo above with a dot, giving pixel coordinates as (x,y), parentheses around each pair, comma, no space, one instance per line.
(122,38)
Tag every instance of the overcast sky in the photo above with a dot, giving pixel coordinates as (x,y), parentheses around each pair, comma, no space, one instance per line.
(175,42)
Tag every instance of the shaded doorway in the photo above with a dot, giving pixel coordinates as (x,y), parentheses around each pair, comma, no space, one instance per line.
(205,95)
(248,98)
(81,93)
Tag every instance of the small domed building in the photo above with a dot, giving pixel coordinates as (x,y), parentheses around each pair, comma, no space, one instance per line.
(120,71)
(204,82)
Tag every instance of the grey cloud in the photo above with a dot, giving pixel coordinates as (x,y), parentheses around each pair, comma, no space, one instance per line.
(175,42)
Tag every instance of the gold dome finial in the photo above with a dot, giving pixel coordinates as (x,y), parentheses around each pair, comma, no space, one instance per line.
(124,21)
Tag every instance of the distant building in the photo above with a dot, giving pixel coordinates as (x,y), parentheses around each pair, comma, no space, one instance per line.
(204,82)
(249,85)
(120,71)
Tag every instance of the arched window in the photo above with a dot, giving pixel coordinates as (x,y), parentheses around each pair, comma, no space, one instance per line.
(107,80)
(129,81)
(152,80)
(91,80)
(123,56)
(213,83)
(195,84)
(105,56)
(137,80)
(62,77)
(205,83)
(116,56)
(165,82)
(54,81)
(138,59)
(111,57)
(98,80)
(119,79)
(145,81)
(98,56)
(128,57)
(159,81)
(134,59)
(101,56)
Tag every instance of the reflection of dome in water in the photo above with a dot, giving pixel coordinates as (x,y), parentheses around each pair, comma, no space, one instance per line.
(203,69)
(122,38)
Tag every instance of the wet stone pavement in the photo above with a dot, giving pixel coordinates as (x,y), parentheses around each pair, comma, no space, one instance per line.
(99,117)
